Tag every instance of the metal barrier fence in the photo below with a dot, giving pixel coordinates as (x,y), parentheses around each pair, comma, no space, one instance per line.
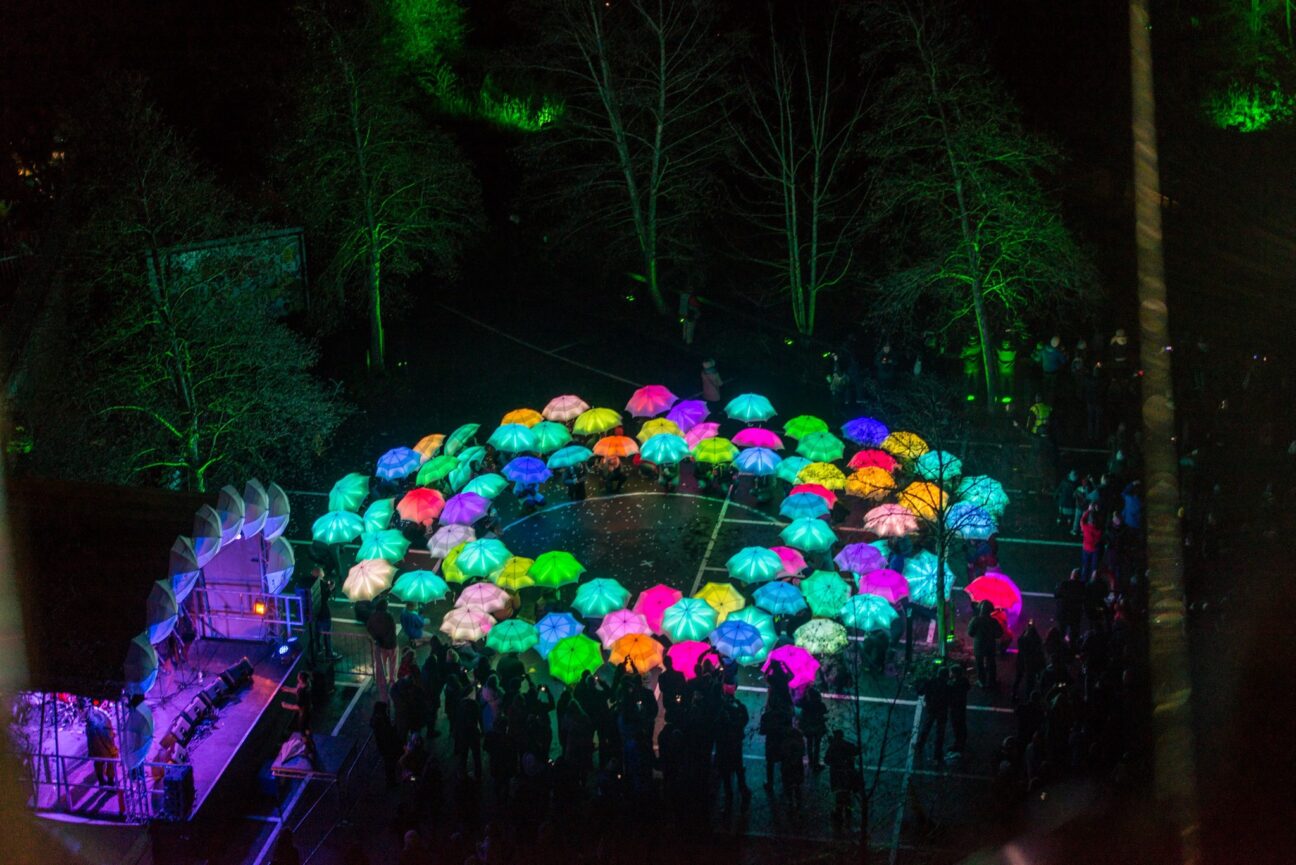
(356,650)
(231,613)
(95,786)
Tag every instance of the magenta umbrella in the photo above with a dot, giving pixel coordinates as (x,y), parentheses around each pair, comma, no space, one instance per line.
(801,665)
(1000,591)
(889,521)
(890,584)
(650,400)
(758,437)
(700,431)
(686,654)
(688,413)
(652,602)
(860,558)
(793,562)
(464,509)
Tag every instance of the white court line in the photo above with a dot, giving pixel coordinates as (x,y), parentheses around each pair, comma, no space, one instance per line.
(724,508)
(364,685)
(714,568)
(1041,542)
(756,689)
(1037,594)
(896,770)
(904,786)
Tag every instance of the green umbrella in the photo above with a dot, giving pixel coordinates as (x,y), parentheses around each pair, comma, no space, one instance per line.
(600,597)
(436,468)
(750,408)
(715,450)
(512,635)
(810,535)
(555,568)
(821,447)
(689,619)
(825,592)
(420,587)
(754,564)
(574,656)
(868,613)
(378,515)
(821,637)
(572,455)
(513,438)
(337,527)
(985,491)
(595,421)
(803,425)
(487,486)
(665,449)
(349,493)
(387,544)
(761,621)
(788,468)
(460,437)
(550,436)
(482,557)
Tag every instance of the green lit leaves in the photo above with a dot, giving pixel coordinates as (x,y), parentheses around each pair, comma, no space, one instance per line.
(1250,107)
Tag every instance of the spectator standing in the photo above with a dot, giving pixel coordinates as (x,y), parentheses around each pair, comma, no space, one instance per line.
(958,691)
(381,628)
(1070,596)
(1030,659)
(1090,541)
(843,774)
(935,702)
(985,632)
(813,722)
(711,381)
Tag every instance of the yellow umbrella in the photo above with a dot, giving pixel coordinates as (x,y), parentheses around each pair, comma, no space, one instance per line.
(450,566)
(513,575)
(870,482)
(723,598)
(658,425)
(904,445)
(429,445)
(825,474)
(596,421)
(642,650)
(528,417)
(924,499)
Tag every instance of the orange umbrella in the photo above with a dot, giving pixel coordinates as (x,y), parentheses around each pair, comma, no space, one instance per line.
(429,445)
(642,651)
(924,499)
(870,482)
(616,446)
(528,417)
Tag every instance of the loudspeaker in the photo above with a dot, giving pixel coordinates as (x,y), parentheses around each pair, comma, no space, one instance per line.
(196,710)
(215,691)
(181,728)
(178,791)
(238,675)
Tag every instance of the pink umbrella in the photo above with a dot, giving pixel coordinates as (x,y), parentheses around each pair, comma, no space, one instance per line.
(700,431)
(565,408)
(793,562)
(421,505)
(688,413)
(650,400)
(1000,591)
(860,558)
(818,489)
(484,597)
(464,509)
(685,656)
(618,623)
(652,602)
(885,582)
(758,437)
(801,665)
(874,457)
(890,521)
(466,624)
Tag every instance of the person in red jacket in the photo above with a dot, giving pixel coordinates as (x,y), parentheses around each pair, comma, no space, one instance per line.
(1091,542)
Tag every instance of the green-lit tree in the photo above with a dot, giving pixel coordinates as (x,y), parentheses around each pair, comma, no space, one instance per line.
(380,191)
(977,239)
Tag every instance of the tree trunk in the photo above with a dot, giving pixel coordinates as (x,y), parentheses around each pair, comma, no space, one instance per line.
(987,351)
(373,282)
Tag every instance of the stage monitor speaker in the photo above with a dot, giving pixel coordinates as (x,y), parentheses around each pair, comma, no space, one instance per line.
(178,791)
(214,691)
(182,729)
(197,710)
(238,675)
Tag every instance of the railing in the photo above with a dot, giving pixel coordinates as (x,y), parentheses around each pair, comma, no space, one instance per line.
(94,786)
(233,613)
(356,650)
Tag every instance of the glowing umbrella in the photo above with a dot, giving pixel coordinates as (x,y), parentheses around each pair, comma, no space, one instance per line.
(825,592)
(458,479)
(754,565)
(800,664)
(793,562)
(904,445)
(513,576)
(600,596)
(513,438)
(821,637)
(388,544)
(460,437)
(920,571)
(923,498)
(665,449)
(985,491)
(723,598)
(758,437)
(715,450)
(486,597)
(868,613)
(736,639)
(513,635)
(865,431)
(688,413)
(890,521)
(657,426)
(550,436)
(450,565)
(436,468)
(998,589)
(870,483)
(488,486)
(688,619)
(420,505)
(758,461)
(618,623)
(650,400)
(464,509)
(368,579)
(378,515)
(595,421)
(337,527)
(812,536)
(885,583)
(466,624)
(823,447)
(556,568)
(860,558)
(803,425)
(527,417)
(141,666)
(750,407)
(348,493)
(938,466)
(685,656)
(483,557)
(420,587)
(398,463)
(970,521)
(471,456)
(653,602)
(829,497)
(763,622)
(701,431)
(572,455)
(527,470)
(161,611)
(556,627)
(807,505)
(572,657)
(824,474)
(447,538)
(781,599)
(616,446)
(565,408)
(641,650)
(429,445)
(873,458)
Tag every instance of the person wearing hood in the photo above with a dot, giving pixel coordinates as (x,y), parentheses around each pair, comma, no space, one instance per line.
(1064,496)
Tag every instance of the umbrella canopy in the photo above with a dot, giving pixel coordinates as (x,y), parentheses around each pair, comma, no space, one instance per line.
(161,611)
(600,596)
(337,527)
(758,437)
(527,470)
(388,544)
(763,622)
(758,461)
(781,599)
(715,450)
(550,436)
(428,446)
(616,446)
(790,467)
(806,505)
(653,602)
(920,571)
(657,426)
(527,417)
(482,557)
(349,493)
(512,635)
(821,637)
(665,449)
(464,509)
(471,456)
(649,400)
(870,483)
(737,639)
(793,562)
(803,425)
(685,656)
(556,568)
(456,440)
(723,598)
(868,613)
(572,455)
(749,408)
(378,515)
(985,491)
(450,565)
(641,650)
(823,447)
(924,499)
(446,538)
(873,458)
(595,421)
(823,474)
(904,445)
(885,583)
(513,576)
(970,521)
(487,597)
(820,490)
(398,463)
(565,408)
(368,579)
(998,589)
(141,666)
(825,592)
(420,505)
(618,623)
(459,478)
(812,536)
(890,521)
(420,587)
(865,431)
(938,466)
(572,657)
(466,624)
(700,431)
(689,619)
(800,664)
(860,558)
(513,438)
(436,468)
(488,486)
(754,565)
(555,627)
(688,413)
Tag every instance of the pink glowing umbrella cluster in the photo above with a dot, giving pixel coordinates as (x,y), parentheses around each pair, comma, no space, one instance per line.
(652,603)
(885,582)
(650,400)
(685,655)
(758,437)
(800,664)
(793,562)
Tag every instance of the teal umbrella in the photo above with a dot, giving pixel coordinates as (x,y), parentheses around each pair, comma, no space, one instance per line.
(985,491)
(471,456)
(378,515)
(600,597)
(572,455)
(337,527)
(349,493)
(482,557)
(868,613)
(550,436)
(762,622)
(459,476)
(664,449)
(513,438)
(487,486)
(754,564)
(939,467)
(825,592)
(689,619)
(810,535)
(387,544)
(750,408)
(460,437)
(420,587)
(512,635)
(436,468)
(920,571)
(781,599)
(821,447)
(788,468)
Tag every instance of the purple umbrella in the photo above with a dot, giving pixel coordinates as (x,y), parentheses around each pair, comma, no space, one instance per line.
(860,558)
(885,582)
(464,509)
(688,413)
(527,470)
(865,431)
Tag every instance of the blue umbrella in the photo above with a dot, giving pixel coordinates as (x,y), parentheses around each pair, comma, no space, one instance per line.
(781,599)
(920,571)
(526,470)
(555,627)
(398,463)
(803,505)
(789,467)
(737,639)
(761,462)
(865,431)
(970,521)
(572,455)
